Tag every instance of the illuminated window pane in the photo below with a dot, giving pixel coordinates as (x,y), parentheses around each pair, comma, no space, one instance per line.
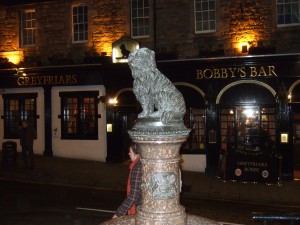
(195,120)
(79,115)
(18,107)
(248,129)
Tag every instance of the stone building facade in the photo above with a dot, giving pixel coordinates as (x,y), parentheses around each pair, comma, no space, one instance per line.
(62,53)
(172,31)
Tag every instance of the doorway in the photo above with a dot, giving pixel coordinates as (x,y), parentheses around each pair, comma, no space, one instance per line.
(296,135)
(122,119)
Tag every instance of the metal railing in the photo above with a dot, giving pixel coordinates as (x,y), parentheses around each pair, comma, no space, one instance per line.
(267,218)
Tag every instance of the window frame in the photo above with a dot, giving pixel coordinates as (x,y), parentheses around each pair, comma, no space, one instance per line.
(287,24)
(80,95)
(194,119)
(195,19)
(21,98)
(232,130)
(139,17)
(84,23)
(32,28)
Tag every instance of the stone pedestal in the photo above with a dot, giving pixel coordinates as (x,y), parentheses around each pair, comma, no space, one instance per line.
(159,147)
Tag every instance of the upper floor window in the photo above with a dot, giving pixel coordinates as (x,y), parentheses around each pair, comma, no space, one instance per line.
(205,16)
(18,107)
(288,12)
(79,118)
(140,18)
(27,28)
(80,23)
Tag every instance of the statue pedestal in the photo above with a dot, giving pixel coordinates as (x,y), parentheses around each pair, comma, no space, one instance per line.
(159,146)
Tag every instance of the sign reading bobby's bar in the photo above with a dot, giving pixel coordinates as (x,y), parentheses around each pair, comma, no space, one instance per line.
(236,72)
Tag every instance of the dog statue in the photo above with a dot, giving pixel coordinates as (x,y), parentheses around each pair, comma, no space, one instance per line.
(158,97)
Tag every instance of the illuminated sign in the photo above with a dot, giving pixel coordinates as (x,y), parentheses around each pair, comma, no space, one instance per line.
(236,72)
(47,80)
(122,48)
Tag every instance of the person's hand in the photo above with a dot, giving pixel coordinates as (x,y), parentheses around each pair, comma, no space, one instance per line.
(115,216)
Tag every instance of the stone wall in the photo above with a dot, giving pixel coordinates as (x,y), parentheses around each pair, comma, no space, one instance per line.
(8,29)
(251,22)
(244,21)
(108,21)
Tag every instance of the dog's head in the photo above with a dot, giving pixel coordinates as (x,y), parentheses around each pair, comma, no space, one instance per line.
(142,59)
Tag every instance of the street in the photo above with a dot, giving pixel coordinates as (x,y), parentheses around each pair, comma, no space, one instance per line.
(43,204)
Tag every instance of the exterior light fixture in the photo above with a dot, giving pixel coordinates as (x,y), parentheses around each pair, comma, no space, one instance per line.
(289,96)
(122,48)
(14,57)
(244,48)
(112,101)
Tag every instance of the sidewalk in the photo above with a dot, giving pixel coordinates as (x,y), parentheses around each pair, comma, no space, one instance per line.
(83,173)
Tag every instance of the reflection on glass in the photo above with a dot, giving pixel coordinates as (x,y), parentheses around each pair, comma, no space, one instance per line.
(248,129)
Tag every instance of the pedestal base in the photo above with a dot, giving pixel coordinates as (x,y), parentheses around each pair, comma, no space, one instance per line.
(190,220)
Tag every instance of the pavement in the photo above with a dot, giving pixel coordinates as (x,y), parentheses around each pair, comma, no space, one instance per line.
(113,176)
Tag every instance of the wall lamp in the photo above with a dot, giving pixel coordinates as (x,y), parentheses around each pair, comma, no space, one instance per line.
(244,48)
(107,101)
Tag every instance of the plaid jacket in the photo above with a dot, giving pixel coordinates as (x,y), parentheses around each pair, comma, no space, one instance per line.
(134,197)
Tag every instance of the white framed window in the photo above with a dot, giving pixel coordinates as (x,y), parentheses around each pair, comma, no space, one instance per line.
(80,23)
(205,16)
(288,12)
(27,35)
(140,18)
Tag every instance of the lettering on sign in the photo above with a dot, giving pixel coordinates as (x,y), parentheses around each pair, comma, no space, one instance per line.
(236,72)
(254,164)
(47,80)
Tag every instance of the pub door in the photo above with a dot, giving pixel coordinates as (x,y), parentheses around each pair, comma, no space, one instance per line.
(248,138)
(296,138)
(118,140)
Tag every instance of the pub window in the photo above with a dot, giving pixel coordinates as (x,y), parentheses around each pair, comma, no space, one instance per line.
(195,120)
(80,23)
(205,16)
(248,130)
(288,12)
(18,107)
(79,116)
(27,28)
(140,18)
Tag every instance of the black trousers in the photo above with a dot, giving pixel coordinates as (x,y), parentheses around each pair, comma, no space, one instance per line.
(27,156)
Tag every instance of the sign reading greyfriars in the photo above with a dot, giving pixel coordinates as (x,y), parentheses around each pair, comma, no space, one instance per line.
(163,185)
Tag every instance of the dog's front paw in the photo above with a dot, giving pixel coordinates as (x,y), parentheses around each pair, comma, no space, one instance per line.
(143,114)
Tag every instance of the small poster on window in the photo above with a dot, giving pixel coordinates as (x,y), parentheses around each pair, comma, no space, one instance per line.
(284,138)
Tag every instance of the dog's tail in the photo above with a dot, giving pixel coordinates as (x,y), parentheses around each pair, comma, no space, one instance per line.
(166,116)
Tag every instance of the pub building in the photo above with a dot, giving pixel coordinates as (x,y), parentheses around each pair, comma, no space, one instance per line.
(237,63)
(243,112)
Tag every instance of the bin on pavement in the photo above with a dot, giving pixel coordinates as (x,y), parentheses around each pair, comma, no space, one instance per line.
(9,155)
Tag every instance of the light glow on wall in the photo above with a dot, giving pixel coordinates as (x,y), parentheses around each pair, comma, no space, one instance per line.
(112,101)
(14,57)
